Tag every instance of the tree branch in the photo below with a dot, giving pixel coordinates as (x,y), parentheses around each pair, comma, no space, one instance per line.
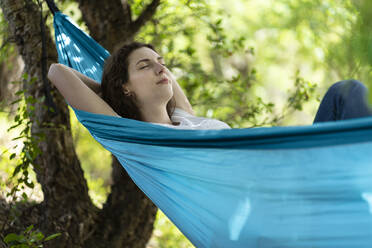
(145,16)
(108,21)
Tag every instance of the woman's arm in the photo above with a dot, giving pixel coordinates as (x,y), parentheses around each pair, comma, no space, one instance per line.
(181,100)
(92,84)
(76,92)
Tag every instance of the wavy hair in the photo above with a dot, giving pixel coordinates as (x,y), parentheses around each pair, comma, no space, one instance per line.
(115,75)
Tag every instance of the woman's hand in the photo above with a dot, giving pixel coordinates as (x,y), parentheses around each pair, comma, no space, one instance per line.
(181,100)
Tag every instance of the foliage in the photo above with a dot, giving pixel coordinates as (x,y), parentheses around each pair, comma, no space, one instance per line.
(167,235)
(30,148)
(28,239)
(176,38)
(334,35)
(363,26)
(251,63)
(95,161)
(25,160)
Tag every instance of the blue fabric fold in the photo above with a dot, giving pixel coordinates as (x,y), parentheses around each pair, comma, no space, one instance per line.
(304,186)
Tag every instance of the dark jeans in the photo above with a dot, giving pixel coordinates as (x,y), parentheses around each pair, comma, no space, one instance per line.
(344,100)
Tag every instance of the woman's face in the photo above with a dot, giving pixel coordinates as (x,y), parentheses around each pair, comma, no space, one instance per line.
(146,68)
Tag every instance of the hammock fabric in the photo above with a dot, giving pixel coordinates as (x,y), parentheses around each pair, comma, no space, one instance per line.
(305,186)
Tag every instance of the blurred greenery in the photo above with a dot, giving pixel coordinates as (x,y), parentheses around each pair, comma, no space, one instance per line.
(247,62)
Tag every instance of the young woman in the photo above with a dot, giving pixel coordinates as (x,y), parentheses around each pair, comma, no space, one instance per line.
(136,84)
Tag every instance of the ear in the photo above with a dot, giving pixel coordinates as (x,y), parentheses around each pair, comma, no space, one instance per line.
(126,90)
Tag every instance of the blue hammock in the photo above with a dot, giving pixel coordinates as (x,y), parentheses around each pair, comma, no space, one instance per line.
(300,187)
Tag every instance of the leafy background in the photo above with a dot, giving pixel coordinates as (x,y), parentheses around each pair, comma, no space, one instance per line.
(246,62)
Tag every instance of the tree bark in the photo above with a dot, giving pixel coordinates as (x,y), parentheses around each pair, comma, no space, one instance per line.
(110,22)
(127,217)
(66,207)
(10,70)
(125,198)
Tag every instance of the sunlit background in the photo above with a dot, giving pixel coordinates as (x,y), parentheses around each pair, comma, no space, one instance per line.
(238,61)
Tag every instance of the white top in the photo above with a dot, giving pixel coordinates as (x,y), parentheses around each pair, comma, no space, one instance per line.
(188,121)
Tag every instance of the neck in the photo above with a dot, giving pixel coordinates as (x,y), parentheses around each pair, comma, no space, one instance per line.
(156,114)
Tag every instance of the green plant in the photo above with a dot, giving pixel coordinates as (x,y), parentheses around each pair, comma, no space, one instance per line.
(28,239)
(20,179)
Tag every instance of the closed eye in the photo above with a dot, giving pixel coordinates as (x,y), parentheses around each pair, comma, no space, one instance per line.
(148,66)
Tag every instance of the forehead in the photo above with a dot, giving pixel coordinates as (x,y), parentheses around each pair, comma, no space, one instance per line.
(142,53)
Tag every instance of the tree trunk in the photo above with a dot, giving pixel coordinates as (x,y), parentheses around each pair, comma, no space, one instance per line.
(127,217)
(10,70)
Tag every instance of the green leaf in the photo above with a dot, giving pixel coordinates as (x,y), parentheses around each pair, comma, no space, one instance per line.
(14,126)
(12,156)
(14,102)
(38,236)
(22,239)
(20,92)
(28,155)
(52,236)
(19,137)
(11,237)
(29,228)
(16,170)
(21,246)
(24,195)
(29,184)
(25,76)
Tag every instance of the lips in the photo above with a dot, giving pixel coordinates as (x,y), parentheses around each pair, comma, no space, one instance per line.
(163,81)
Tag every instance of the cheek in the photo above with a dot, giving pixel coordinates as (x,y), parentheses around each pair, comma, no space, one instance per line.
(139,80)
(141,86)
(134,77)
(141,76)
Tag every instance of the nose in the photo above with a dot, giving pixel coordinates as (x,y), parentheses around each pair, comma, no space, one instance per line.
(159,68)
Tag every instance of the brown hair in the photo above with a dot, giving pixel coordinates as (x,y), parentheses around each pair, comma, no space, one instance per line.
(115,75)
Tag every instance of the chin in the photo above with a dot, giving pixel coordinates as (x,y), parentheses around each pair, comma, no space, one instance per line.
(162,97)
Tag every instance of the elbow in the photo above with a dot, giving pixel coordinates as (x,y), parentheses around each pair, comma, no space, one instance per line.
(53,69)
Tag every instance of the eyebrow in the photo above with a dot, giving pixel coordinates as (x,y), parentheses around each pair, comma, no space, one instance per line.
(143,60)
